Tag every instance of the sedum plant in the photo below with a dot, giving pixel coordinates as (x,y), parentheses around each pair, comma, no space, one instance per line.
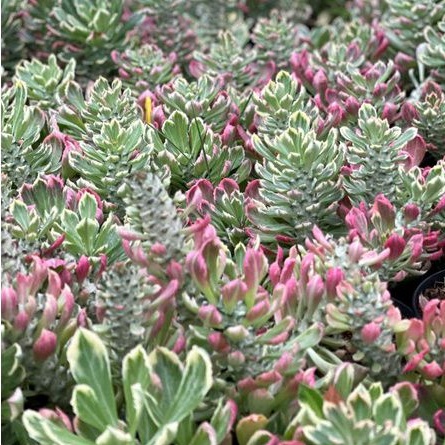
(359,415)
(374,157)
(433,55)
(45,82)
(200,98)
(160,394)
(406,21)
(404,237)
(278,101)
(39,315)
(49,212)
(299,178)
(169,26)
(229,62)
(89,31)
(427,117)
(225,204)
(200,154)
(275,39)
(151,216)
(83,117)
(144,68)
(22,158)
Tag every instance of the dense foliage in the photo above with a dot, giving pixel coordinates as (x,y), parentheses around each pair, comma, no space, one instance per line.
(206,208)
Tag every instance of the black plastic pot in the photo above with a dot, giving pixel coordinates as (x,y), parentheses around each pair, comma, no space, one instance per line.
(427,283)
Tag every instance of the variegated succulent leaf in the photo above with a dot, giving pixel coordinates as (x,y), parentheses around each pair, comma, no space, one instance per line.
(153,413)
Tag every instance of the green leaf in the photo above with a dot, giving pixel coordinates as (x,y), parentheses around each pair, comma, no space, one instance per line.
(312,399)
(114,436)
(135,370)
(205,435)
(89,365)
(46,432)
(88,206)
(196,382)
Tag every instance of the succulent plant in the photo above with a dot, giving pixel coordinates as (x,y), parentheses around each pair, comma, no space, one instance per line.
(160,392)
(211,17)
(152,217)
(40,318)
(89,31)
(230,314)
(229,62)
(275,38)
(225,204)
(45,82)
(374,157)
(422,342)
(169,26)
(277,103)
(200,154)
(13,374)
(427,117)
(406,20)
(201,98)
(50,212)
(12,46)
(138,313)
(21,130)
(407,238)
(433,54)
(84,117)
(360,415)
(299,179)
(144,68)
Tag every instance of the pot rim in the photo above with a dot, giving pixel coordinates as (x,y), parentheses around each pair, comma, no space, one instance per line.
(427,283)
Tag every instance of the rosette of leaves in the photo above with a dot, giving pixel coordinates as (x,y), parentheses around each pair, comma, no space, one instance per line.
(12,45)
(47,210)
(406,20)
(430,120)
(151,214)
(277,102)
(191,150)
(200,98)
(360,415)
(378,84)
(144,68)
(433,54)
(300,181)
(45,81)
(275,38)
(225,204)
(84,117)
(374,156)
(21,157)
(89,31)
(161,395)
(104,162)
(230,62)
(169,26)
